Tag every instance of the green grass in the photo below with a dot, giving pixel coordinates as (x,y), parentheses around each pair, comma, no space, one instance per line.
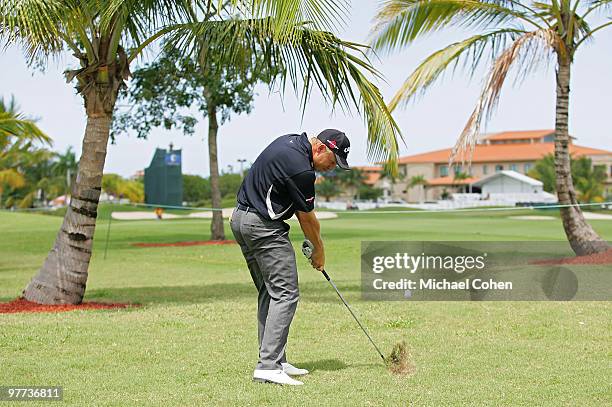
(193,340)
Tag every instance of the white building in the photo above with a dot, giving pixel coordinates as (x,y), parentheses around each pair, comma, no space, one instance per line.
(508,182)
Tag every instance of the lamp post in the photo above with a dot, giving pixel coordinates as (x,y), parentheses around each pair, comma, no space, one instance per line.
(242,161)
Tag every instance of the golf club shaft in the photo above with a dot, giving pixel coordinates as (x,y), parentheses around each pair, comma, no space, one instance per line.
(352,313)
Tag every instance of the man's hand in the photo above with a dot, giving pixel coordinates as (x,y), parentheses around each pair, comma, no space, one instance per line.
(318,260)
(311,228)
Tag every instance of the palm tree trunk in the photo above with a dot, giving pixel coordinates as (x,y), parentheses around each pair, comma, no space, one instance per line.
(216,227)
(63,276)
(581,236)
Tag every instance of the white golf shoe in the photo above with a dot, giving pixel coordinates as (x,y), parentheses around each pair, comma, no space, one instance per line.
(293,371)
(274,376)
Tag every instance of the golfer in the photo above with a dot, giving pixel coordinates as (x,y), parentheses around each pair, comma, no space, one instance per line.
(279,184)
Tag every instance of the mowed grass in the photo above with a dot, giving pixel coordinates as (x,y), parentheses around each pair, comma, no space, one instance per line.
(194,341)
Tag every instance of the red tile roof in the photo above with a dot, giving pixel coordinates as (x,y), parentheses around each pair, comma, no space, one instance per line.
(519,135)
(502,153)
(371,173)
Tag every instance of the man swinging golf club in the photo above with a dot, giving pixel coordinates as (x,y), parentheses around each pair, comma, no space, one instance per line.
(279,184)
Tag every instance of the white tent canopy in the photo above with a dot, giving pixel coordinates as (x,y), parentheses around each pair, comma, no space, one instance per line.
(508,182)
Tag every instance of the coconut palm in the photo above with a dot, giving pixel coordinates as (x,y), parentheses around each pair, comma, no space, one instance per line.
(10,178)
(462,176)
(512,34)
(105,37)
(17,134)
(99,35)
(42,183)
(41,174)
(17,127)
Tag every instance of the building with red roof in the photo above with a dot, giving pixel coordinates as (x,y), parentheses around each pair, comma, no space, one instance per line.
(510,150)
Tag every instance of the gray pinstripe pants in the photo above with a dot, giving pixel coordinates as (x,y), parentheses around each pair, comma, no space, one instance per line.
(270,258)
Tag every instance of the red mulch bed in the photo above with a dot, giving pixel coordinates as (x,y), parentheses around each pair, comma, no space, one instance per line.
(597,258)
(23,305)
(181,244)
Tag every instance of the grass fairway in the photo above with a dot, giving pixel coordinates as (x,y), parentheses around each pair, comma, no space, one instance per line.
(194,340)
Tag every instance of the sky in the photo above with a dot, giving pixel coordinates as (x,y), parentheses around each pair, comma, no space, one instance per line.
(431,122)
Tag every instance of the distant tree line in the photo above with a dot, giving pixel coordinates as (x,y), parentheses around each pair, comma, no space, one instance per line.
(41,176)
(588,179)
(30,173)
(352,183)
(197,190)
(118,188)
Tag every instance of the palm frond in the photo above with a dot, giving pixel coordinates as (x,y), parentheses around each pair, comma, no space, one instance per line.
(15,124)
(525,53)
(597,6)
(137,19)
(34,24)
(12,178)
(322,14)
(568,23)
(399,22)
(588,35)
(470,50)
(306,58)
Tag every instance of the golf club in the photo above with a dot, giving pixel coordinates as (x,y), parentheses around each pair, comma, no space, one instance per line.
(307,249)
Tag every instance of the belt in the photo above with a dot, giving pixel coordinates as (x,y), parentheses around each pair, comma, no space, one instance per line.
(247,209)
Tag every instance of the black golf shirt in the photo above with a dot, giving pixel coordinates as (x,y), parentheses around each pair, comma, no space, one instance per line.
(281,180)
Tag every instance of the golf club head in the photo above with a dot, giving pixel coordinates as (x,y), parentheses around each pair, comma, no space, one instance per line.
(307,248)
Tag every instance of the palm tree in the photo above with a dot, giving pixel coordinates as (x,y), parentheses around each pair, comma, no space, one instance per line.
(99,34)
(544,170)
(516,34)
(42,183)
(588,179)
(11,178)
(417,180)
(17,134)
(392,177)
(327,189)
(353,179)
(462,176)
(66,166)
(105,37)
(15,125)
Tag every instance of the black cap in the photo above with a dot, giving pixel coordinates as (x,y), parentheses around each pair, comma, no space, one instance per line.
(337,142)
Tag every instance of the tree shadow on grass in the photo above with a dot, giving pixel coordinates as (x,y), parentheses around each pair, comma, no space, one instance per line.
(184,294)
(205,293)
(331,365)
(328,365)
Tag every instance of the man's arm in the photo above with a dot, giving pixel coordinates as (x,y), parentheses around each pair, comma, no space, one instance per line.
(312,230)
(302,191)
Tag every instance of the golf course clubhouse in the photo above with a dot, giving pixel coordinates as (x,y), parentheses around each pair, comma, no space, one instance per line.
(512,153)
